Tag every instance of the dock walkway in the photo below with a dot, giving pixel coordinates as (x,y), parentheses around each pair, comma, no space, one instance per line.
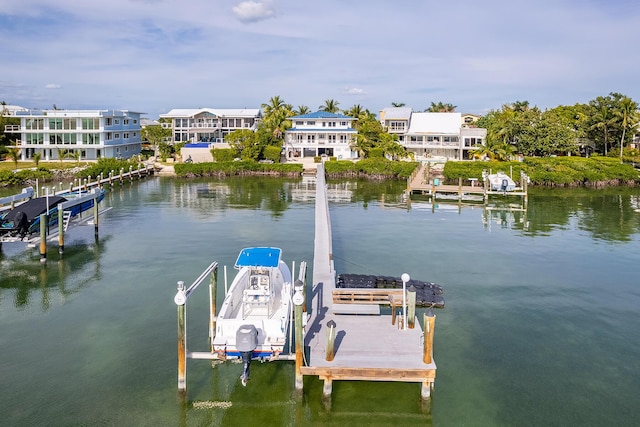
(368,346)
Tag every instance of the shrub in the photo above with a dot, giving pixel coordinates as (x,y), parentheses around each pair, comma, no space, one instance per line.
(272,152)
(223,154)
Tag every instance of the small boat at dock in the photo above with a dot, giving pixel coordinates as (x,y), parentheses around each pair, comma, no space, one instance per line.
(24,219)
(257,309)
(501,182)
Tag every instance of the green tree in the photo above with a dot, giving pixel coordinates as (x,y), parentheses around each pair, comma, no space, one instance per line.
(441,108)
(14,155)
(36,158)
(302,109)
(628,114)
(276,118)
(154,135)
(330,106)
(245,142)
(602,121)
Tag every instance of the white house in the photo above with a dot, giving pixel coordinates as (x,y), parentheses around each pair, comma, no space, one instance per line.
(210,125)
(93,134)
(443,135)
(320,133)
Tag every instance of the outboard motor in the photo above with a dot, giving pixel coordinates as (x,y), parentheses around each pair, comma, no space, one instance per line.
(246,342)
(20,224)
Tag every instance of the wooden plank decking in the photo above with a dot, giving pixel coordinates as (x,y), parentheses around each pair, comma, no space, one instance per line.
(368,347)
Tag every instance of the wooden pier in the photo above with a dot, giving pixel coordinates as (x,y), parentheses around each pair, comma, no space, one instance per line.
(348,338)
(478,191)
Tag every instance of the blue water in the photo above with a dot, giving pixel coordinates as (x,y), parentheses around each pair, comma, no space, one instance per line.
(541,324)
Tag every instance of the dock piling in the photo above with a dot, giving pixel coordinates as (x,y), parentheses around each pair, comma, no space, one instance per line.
(429,326)
(331,338)
(299,343)
(182,340)
(212,303)
(44,218)
(411,307)
(60,231)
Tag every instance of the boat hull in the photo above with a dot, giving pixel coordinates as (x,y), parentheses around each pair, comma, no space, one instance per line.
(258,296)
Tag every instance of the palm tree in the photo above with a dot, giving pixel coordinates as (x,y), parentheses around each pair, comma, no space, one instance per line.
(62,153)
(275,104)
(36,158)
(629,114)
(276,114)
(14,154)
(441,108)
(330,106)
(302,109)
(603,120)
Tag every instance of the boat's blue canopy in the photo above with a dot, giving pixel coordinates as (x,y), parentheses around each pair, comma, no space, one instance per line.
(258,257)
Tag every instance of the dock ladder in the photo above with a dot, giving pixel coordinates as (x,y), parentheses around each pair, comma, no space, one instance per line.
(66,217)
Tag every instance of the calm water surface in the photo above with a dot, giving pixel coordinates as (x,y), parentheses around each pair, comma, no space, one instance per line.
(541,325)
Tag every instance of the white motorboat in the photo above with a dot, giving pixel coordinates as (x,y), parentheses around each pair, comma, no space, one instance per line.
(501,182)
(254,319)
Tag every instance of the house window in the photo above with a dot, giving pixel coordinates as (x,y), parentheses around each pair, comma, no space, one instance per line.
(116,121)
(90,138)
(108,136)
(108,121)
(55,124)
(311,139)
(125,135)
(332,139)
(35,138)
(135,122)
(125,122)
(90,123)
(35,124)
(116,136)
(311,123)
(343,139)
(299,138)
(343,123)
(299,123)
(70,124)
(55,138)
(69,138)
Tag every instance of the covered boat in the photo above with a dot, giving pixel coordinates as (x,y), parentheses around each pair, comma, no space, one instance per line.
(24,219)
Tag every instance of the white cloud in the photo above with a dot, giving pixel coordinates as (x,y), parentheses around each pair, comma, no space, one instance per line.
(355,91)
(253,11)
(52,86)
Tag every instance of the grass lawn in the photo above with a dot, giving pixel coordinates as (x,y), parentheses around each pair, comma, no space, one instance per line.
(9,165)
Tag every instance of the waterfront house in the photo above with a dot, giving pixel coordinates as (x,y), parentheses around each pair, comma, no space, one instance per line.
(208,126)
(320,133)
(432,135)
(87,134)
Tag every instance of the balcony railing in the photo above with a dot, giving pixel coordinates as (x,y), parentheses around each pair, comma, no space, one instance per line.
(11,128)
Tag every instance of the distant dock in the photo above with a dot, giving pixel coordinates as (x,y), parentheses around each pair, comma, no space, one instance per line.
(477,192)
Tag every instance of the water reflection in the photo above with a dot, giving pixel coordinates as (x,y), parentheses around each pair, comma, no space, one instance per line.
(24,278)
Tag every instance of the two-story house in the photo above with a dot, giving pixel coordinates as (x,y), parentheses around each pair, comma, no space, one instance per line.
(428,135)
(320,133)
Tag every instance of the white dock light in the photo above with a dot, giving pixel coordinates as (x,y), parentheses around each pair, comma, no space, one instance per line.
(181,297)
(405,278)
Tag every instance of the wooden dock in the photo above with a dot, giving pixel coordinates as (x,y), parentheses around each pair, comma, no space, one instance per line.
(367,346)
(479,192)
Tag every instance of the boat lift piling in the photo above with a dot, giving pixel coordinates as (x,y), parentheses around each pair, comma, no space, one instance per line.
(181,301)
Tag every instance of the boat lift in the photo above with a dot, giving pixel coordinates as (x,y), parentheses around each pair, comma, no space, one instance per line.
(181,299)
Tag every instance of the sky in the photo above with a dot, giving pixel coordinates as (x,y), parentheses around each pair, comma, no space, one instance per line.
(152,56)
